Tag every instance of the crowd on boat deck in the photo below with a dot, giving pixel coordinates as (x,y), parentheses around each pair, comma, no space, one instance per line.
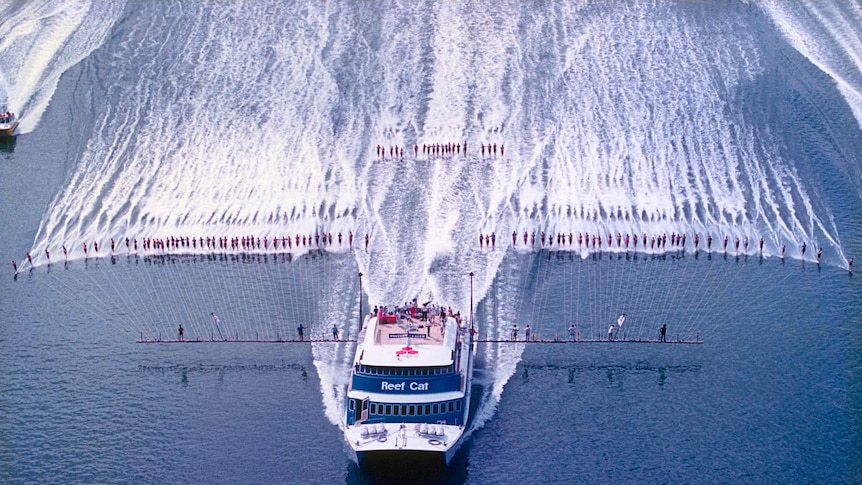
(417,311)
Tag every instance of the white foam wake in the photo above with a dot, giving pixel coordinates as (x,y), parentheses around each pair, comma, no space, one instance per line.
(828,35)
(615,119)
(39,41)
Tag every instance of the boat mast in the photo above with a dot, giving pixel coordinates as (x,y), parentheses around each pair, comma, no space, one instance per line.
(471,303)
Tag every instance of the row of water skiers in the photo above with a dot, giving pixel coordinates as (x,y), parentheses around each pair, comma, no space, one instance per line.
(438,149)
(324,240)
(660,241)
(284,243)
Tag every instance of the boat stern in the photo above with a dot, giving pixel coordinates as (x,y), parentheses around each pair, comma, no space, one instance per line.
(431,442)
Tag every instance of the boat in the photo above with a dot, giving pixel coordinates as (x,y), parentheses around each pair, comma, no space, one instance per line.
(408,399)
(8,123)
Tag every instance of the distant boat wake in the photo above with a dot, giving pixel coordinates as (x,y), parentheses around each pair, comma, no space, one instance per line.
(39,41)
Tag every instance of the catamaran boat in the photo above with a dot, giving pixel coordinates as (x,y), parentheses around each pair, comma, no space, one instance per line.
(409,392)
(8,123)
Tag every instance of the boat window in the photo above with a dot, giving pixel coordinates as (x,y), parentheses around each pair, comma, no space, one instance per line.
(457,405)
(352,405)
(395,408)
(388,409)
(427,409)
(412,410)
(436,408)
(419,410)
(451,406)
(404,410)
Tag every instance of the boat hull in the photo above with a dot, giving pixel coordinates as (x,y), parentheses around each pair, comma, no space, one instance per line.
(9,131)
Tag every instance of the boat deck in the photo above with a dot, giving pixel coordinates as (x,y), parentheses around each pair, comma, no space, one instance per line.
(394,330)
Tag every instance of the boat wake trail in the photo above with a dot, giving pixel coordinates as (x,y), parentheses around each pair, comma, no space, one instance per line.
(41,40)
(575,119)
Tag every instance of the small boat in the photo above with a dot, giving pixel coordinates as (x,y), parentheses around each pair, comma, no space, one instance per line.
(8,123)
(409,392)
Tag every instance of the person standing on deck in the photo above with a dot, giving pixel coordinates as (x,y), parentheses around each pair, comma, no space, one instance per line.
(300,329)
(611,333)
(663,331)
(527,332)
(334,332)
(572,333)
(515,332)
(180,332)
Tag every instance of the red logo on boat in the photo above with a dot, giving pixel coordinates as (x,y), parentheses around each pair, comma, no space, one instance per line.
(407,351)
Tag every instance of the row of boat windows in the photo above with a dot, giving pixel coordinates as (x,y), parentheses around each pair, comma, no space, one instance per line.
(406,371)
(381,409)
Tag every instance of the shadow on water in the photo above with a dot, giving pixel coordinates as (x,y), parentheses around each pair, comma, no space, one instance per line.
(412,469)
(7,144)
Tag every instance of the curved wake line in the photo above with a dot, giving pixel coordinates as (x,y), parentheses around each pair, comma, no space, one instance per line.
(626,121)
(41,40)
(828,36)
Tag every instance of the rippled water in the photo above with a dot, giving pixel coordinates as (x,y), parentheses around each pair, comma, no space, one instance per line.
(745,128)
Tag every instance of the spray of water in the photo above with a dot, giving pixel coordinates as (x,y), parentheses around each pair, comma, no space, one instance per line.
(39,41)
(613,120)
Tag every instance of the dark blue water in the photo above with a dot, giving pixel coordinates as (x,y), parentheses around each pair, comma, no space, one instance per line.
(773,395)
